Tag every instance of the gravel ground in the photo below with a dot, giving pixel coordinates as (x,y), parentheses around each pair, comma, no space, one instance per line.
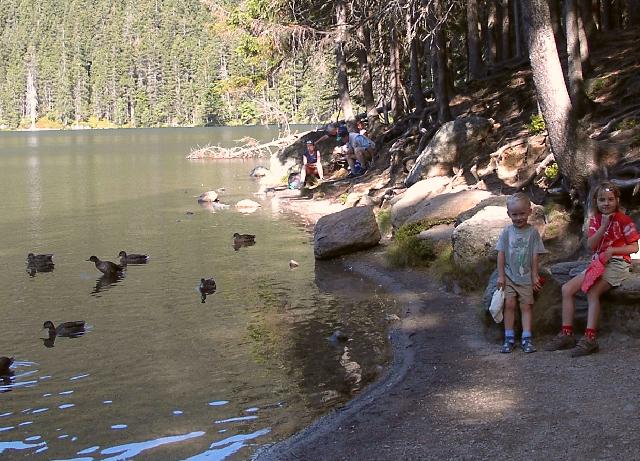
(450,395)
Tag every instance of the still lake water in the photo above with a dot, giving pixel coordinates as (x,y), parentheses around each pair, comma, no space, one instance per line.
(159,375)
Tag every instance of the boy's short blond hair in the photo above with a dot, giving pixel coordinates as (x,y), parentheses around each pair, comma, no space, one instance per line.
(518,197)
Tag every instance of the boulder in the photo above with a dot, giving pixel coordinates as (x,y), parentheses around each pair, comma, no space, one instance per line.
(247,206)
(518,162)
(444,206)
(474,240)
(209,196)
(439,233)
(454,144)
(405,205)
(344,232)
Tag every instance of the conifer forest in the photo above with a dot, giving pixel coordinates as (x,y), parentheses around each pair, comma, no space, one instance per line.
(146,63)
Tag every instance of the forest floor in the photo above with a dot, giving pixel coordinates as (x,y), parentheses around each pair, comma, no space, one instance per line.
(449,393)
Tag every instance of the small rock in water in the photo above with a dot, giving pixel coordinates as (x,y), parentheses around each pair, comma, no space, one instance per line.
(209,196)
(293,263)
(189,213)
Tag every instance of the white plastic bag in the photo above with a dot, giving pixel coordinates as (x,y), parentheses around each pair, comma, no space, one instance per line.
(497,305)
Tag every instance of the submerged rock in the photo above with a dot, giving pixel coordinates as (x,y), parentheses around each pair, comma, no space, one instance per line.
(209,196)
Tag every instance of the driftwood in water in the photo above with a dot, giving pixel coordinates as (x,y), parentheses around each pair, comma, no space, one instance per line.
(250,149)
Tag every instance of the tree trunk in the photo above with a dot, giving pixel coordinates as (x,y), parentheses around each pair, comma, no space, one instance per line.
(341,61)
(586,13)
(554,11)
(520,45)
(633,11)
(397,106)
(584,42)
(364,61)
(474,52)
(555,104)
(605,16)
(574,61)
(506,29)
(488,27)
(414,59)
(440,61)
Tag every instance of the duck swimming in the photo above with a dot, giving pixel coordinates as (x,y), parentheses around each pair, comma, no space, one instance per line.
(71,329)
(132,258)
(244,238)
(106,267)
(5,363)
(40,259)
(206,287)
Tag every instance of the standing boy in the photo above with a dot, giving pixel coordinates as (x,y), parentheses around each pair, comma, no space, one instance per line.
(518,248)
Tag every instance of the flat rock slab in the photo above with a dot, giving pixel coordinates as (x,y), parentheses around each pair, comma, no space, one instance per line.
(347,231)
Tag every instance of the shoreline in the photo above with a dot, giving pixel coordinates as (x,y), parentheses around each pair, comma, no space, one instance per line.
(449,394)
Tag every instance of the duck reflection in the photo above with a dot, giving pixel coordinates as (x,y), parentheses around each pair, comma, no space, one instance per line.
(106,281)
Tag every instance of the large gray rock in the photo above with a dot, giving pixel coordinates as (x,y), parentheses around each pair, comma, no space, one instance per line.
(474,241)
(345,232)
(406,204)
(454,144)
(444,206)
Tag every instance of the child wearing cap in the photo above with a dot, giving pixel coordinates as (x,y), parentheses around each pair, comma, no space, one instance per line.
(311,163)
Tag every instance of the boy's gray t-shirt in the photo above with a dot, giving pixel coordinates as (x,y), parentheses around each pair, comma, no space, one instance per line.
(519,245)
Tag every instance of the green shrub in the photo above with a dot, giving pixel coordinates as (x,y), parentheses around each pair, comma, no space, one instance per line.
(343,198)
(552,171)
(384,220)
(536,124)
(627,124)
(409,250)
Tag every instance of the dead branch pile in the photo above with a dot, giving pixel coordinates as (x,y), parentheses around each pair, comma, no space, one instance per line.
(250,149)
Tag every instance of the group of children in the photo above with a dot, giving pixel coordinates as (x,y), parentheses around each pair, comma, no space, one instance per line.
(354,147)
(611,236)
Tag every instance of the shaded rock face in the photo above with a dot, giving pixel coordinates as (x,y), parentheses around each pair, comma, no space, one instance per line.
(345,232)
(474,241)
(454,144)
(444,206)
(519,162)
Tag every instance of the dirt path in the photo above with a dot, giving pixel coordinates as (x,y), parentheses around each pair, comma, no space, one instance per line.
(450,395)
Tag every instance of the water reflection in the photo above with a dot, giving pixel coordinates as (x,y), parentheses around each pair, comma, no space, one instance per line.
(106,281)
(240,244)
(130,450)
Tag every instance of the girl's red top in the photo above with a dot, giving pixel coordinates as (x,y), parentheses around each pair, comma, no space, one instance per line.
(621,231)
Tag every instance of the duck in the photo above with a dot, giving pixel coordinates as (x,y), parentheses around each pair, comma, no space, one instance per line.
(69,329)
(132,258)
(39,259)
(106,267)
(244,238)
(5,363)
(206,287)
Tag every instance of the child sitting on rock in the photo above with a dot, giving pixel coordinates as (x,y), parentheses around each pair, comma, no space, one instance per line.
(612,236)
(518,248)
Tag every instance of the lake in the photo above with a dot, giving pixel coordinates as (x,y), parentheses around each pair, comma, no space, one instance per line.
(159,374)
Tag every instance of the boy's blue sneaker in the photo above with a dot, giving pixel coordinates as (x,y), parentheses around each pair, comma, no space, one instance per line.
(527,346)
(508,346)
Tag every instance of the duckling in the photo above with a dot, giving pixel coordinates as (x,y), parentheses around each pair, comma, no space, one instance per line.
(5,363)
(132,258)
(40,259)
(206,287)
(69,329)
(39,263)
(244,238)
(106,267)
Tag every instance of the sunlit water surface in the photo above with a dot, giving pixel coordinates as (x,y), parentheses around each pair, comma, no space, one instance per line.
(160,375)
